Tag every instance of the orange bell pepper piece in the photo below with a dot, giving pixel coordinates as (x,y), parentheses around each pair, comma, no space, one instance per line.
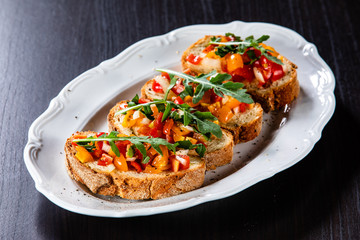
(234,61)
(83,155)
(225,114)
(161,161)
(120,163)
(232,103)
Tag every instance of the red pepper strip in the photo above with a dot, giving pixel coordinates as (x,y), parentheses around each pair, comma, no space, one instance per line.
(136,166)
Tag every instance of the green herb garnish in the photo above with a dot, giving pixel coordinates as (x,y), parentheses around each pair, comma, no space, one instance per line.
(216,82)
(138,142)
(200,121)
(240,46)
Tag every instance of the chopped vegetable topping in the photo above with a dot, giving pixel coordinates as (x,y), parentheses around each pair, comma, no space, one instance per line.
(137,153)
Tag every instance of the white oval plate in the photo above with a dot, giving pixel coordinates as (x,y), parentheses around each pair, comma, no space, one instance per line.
(83,104)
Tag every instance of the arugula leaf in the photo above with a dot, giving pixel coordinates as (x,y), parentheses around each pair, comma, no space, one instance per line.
(167,111)
(232,89)
(239,46)
(205,125)
(172,84)
(145,107)
(199,148)
(188,116)
(137,141)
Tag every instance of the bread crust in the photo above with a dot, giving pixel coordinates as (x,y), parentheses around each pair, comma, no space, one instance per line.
(271,98)
(244,132)
(221,156)
(133,185)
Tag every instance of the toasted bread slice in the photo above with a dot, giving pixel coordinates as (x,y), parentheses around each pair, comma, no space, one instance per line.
(219,151)
(244,126)
(278,94)
(131,184)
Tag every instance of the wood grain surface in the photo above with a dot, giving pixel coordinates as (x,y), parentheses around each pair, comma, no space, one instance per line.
(44,44)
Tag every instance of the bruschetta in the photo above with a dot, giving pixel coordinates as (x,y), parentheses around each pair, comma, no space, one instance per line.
(175,123)
(268,76)
(131,167)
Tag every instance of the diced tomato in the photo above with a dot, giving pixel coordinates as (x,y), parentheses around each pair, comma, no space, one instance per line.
(153,132)
(156,87)
(168,125)
(99,144)
(246,72)
(97,153)
(143,100)
(266,68)
(169,138)
(230,38)
(277,71)
(209,48)
(213,97)
(123,105)
(178,100)
(122,146)
(158,123)
(105,160)
(175,164)
(138,154)
(184,161)
(166,75)
(178,88)
(243,107)
(136,165)
(193,59)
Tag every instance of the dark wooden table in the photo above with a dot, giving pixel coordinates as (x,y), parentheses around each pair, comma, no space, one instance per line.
(45,44)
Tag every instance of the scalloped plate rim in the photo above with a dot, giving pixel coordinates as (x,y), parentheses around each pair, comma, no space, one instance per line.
(203,197)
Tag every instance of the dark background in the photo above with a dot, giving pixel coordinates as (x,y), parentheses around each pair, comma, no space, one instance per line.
(44,44)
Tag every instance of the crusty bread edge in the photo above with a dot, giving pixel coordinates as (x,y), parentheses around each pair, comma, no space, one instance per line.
(99,183)
(250,130)
(220,157)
